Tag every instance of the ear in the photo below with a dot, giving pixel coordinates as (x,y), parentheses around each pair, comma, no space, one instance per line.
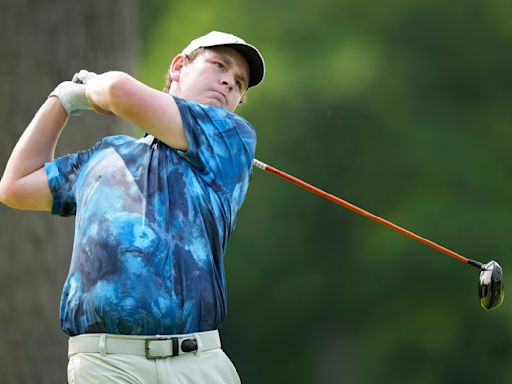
(178,63)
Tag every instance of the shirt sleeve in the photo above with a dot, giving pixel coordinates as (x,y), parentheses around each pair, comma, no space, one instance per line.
(221,144)
(62,175)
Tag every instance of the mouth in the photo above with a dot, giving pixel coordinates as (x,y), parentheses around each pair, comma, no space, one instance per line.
(220,96)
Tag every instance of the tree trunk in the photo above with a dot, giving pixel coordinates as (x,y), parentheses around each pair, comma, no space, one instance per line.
(43,43)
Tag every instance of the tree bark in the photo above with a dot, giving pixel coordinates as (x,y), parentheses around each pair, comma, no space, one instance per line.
(42,44)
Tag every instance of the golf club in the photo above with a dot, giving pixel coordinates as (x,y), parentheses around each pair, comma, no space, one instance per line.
(490,290)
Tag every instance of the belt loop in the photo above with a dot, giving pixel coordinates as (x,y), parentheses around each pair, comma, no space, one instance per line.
(199,344)
(103,345)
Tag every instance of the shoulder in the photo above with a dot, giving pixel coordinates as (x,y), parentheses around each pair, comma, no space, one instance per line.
(204,114)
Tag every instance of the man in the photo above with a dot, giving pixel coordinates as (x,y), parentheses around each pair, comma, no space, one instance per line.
(153,215)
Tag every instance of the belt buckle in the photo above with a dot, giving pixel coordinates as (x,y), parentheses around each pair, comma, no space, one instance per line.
(175,347)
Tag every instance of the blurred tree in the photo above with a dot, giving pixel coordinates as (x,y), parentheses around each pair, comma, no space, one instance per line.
(42,44)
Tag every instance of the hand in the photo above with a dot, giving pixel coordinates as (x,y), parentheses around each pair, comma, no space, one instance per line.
(83,77)
(72,97)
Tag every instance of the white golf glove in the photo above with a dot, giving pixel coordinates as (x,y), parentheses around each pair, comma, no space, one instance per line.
(72,97)
(72,93)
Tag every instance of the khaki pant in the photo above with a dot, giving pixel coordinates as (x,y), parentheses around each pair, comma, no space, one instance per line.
(206,367)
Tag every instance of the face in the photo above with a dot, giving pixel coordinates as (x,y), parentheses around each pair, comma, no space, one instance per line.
(217,76)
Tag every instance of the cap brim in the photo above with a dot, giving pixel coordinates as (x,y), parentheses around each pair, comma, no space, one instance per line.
(255,61)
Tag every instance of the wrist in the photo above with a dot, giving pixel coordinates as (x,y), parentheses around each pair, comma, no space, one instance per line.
(72,97)
(54,104)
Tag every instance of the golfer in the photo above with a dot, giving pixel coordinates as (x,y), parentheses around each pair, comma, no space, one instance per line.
(146,290)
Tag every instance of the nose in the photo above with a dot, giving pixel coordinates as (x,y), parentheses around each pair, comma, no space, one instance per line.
(228,81)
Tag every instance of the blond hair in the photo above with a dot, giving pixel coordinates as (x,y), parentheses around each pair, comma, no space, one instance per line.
(188,59)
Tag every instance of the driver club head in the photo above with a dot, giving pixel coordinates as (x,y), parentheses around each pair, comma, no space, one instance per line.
(491,290)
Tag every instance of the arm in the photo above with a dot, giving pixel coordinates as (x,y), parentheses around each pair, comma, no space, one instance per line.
(24,184)
(153,111)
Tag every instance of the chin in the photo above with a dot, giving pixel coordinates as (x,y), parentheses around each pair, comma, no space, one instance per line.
(215,103)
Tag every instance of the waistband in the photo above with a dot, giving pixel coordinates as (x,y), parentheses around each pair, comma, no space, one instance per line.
(152,347)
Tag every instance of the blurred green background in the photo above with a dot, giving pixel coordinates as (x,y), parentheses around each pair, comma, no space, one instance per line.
(402,108)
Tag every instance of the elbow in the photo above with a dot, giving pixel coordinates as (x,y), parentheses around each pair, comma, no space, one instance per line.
(7,195)
(15,196)
(3,192)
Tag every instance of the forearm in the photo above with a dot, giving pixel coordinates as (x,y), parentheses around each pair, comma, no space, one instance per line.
(152,111)
(37,144)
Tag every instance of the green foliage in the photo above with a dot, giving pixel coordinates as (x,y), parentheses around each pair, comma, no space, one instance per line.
(402,108)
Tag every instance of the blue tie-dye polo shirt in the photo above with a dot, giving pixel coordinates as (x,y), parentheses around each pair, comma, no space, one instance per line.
(152,226)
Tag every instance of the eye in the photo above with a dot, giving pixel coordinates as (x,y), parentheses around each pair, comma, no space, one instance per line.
(219,65)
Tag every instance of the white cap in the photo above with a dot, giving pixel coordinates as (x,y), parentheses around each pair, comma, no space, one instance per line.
(249,52)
